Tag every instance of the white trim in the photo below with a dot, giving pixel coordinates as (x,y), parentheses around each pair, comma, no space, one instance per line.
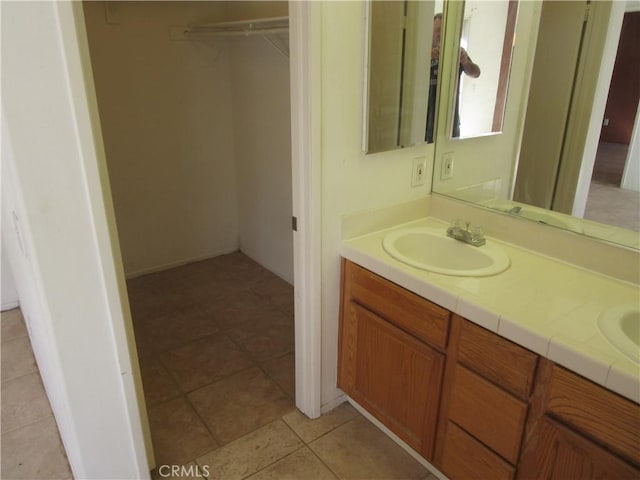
(90,143)
(9,306)
(365,77)
(631,172)
(304,31)
(336,402)
(179,263)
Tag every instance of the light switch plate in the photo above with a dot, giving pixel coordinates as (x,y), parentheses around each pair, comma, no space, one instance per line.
(446,172)
(419,171)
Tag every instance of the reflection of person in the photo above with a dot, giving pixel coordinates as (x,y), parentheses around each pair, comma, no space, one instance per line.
(466,66)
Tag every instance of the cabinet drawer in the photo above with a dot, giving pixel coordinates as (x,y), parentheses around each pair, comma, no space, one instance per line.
(497,359)
(598,413)
(410,312)
(465,458)
(487,412)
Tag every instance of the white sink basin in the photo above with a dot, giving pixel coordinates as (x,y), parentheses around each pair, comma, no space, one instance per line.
(621,326)
(430,249)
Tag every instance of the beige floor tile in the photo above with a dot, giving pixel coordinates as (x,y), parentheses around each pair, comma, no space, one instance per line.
(358,450)
(12,325)
(174,326)
(17,358)
(34,452)
(204,361)
(157,382)
(178,435)
(24,401)
(240,404)
(269,337)
(276,290)
(242,308)
(430,476)
(302,464)
(282,370)
(250,453)
(310,430)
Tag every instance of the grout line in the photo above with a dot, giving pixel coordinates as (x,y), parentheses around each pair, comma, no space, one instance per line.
(37,370)
(159,355)
(50,415)
(307,445)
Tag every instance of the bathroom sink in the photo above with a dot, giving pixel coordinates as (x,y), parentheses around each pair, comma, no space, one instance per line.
(430,249)
(621,326)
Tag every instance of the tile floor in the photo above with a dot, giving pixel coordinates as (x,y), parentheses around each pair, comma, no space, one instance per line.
(31,446)
(215,341)
(215,344)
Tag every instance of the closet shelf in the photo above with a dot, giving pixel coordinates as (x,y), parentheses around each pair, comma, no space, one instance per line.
(261,26)
(275,31)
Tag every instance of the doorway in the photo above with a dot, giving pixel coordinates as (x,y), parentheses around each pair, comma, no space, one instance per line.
(614,195)
(197,137)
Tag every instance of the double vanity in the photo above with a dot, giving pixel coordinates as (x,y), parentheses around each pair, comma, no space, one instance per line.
(490,361)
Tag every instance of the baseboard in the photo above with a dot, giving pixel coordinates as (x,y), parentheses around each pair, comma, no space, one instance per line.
(336,402)
(177,263)
(9,306)
(397,440)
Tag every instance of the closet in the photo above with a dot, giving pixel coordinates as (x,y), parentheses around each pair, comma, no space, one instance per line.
(195,115)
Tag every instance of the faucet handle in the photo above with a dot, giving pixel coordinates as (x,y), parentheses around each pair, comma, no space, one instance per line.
(477,232)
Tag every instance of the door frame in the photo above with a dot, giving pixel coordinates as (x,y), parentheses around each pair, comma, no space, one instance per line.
(304,35)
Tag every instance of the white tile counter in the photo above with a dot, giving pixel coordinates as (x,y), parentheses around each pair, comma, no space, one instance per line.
(543,304)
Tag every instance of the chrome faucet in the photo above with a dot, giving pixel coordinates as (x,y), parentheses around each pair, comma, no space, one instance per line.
(465,232)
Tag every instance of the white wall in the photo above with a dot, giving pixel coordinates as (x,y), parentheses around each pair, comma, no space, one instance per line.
(351,181)
(167,121)
(9,296)
(64,262)
(197,134)
(262,146)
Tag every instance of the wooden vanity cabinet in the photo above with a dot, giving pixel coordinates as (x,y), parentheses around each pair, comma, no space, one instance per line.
(390,355)
(579,430)
(474,404)
(488,382)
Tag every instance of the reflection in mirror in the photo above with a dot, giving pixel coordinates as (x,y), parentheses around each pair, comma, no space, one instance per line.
(397,76)
(555,169)
(487,37)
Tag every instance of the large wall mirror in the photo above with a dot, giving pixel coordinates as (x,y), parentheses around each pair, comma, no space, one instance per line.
(550,165)
(399,45)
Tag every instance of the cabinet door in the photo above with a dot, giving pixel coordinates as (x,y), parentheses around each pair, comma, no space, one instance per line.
(393,375)
(562,454)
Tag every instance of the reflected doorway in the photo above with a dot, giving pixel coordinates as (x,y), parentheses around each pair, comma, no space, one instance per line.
(614,193)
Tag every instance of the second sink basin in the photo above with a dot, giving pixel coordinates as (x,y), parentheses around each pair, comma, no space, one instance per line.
(430,249)
(621,326)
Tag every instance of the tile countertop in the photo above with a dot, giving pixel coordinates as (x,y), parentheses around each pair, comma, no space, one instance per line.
(543,304)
